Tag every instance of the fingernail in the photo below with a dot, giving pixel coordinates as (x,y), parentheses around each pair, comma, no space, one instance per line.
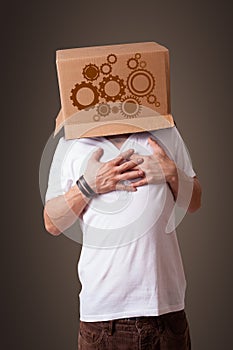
(139,160)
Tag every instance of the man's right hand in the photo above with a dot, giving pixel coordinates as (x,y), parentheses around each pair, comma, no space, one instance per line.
(109,176)
(62,211)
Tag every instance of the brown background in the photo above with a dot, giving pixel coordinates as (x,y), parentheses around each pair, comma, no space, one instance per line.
(39,283)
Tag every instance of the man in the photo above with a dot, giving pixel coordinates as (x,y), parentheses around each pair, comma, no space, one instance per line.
(130,268)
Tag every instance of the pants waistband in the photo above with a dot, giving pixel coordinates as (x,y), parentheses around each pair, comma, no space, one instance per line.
(145,318)
(139,318)
(110,324)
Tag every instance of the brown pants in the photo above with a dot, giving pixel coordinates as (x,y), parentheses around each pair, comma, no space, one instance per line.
(165,332)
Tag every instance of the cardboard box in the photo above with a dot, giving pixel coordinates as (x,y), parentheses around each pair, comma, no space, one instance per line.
(113,89)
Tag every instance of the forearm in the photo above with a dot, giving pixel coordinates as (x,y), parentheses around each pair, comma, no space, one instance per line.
(186,190)
(62,211)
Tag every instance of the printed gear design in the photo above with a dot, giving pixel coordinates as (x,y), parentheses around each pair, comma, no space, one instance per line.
(80,86)
(132,63)
(111,58)
(115,109)
(145,74)
(89,107)
(151,99)
(91,72)
(137,56)
(109,68)
(96,117)
(133,109)
(143,64)
(103,84)
(103,109)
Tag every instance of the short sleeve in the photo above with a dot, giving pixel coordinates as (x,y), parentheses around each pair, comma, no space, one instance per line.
(60,174)
(181,156)
(172,142)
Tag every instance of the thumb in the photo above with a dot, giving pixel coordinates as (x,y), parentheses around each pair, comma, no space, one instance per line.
(97,154)
(158,150)
(152,142)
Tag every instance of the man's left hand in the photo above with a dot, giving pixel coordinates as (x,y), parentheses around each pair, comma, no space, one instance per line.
(157,168)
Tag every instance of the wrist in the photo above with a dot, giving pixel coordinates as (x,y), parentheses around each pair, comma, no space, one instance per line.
(172,173)
(85,188)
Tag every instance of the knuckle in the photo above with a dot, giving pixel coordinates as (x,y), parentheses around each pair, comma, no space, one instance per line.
(117,159)
(113,172)
(116,179)
(125,166)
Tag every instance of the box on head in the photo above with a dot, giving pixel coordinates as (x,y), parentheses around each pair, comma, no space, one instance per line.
(113,89)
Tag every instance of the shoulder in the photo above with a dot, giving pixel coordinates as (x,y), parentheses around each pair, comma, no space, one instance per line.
(166,133)
(82,143)
(171,133)
(168,138)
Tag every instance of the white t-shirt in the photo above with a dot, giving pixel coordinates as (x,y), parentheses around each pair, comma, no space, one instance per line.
(129,266)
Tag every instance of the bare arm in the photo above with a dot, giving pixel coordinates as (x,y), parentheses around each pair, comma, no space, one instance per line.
(62,211)
(174,179)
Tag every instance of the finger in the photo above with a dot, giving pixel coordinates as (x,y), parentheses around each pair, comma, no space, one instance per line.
(129,164)
(123,187)
(129,175)
(126,154)
(123,156)
(97,154)
(141,182)
(134,168)
(150,139)
(154,144)
(140,171)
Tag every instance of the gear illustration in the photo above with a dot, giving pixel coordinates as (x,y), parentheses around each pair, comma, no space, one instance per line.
(91,72)
(105,68)
(112,88)
(111,58)
(140,82)
(103,109)
(96,117)
(115,109)
(89,107)
(93,92)
(143,64)
(137,56)
(132,63)
(130,106)
(151,99)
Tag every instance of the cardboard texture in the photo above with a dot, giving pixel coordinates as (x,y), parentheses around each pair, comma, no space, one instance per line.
(113,89)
